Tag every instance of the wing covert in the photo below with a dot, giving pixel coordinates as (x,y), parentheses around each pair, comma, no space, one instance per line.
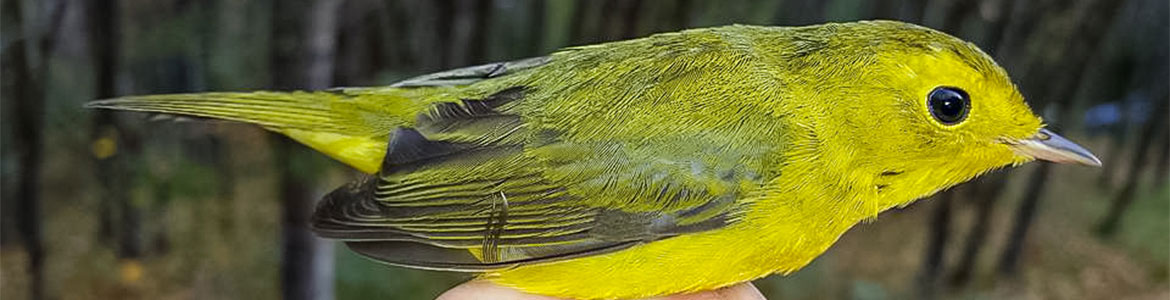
(471,189)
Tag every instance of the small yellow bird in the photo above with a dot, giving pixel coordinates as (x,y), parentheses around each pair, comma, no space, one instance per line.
(674,163)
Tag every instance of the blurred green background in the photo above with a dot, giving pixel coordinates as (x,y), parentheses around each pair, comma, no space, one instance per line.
(100,205)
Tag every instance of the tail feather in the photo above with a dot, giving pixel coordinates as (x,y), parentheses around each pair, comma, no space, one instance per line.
(274,110)
(331,122)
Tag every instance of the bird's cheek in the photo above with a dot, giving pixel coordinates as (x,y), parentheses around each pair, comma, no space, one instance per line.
(999,155)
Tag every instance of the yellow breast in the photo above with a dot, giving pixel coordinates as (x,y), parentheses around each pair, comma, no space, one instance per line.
(771,238)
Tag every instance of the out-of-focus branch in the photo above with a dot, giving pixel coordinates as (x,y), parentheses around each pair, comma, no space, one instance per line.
(1155,124)
(1163,164)
(939,233)
(303,56)
(807,12)
(26,68)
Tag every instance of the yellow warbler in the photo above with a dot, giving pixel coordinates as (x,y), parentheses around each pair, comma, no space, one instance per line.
(673,163)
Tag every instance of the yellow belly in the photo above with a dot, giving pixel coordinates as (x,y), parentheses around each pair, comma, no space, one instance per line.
(744,251)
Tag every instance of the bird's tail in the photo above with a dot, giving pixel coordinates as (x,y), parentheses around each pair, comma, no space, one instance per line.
(341,125)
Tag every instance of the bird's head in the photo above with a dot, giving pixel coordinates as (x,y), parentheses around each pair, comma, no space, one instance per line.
(931,111)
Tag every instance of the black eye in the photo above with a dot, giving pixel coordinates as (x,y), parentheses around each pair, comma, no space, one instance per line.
(948,105)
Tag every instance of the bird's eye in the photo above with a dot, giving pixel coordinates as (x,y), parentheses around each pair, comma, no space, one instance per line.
(948,105)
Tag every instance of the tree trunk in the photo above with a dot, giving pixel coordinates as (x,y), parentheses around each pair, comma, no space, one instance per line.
(1011,254)
(1156,124)
(985,193)
(535,45)
(1118,137)
(25,67)
(939,229)
(444,31)
(1100,14)
(586,24)
(802,12)
(482,12)
(1163,166)
(682,14)
(23,85)
(621,19)
(121,219)
(304,41)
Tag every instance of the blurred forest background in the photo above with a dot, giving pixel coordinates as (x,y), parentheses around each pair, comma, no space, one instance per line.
(101,205)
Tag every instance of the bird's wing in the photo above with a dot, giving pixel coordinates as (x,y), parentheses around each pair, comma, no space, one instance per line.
(471,188)
(455,77)
(473,74)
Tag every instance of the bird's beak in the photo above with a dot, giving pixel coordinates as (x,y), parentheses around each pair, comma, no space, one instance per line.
(1046,145)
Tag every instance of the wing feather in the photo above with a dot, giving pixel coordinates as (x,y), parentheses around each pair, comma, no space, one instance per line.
(514,214)
(476,185)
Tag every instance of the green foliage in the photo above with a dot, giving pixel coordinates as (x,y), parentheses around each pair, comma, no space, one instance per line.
(1145,229)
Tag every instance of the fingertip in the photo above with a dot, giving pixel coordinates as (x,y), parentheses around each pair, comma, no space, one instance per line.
(743,291)
(478,289)
(483,290)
